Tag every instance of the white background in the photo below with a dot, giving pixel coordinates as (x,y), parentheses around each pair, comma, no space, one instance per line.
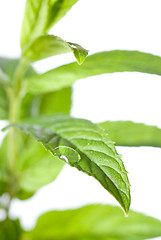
(98,26)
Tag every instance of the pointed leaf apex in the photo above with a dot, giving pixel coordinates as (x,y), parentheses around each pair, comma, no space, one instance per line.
(80,53)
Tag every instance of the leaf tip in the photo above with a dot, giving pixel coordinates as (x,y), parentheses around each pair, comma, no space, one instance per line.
(79,52)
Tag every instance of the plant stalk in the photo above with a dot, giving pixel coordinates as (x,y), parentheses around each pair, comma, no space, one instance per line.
(14,95)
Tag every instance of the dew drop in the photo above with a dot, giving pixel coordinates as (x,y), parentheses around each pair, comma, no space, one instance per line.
(64,158)
(67,154)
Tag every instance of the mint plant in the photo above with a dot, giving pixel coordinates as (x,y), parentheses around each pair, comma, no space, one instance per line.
(42,136)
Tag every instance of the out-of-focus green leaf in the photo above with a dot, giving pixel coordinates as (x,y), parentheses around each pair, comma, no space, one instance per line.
(127,133)
(3,103)
(35,167)
(4,80)
(40,16)
(56,102)
(99,63)
(49,103)
(10,230)
(85,146)
(95,222)
(49,45)
(3,167)
(34,20)
(9,66)
(58,9)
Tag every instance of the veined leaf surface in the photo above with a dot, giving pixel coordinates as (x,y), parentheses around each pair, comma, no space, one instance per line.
(99,63)
(85,146)
(95,222)
(127,133)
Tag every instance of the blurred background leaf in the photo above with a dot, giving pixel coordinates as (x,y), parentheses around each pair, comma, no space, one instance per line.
(10,230)
(98,63)
(94,222)
(127,133)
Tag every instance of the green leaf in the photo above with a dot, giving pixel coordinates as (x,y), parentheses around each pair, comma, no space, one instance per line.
(95,222)
(99,63)
(85,146)
(58,9)
(34,20)
(56,102)
(4,176)
(3,78)
(10,230)
(40,16)
(35,167)
(3,103)
(9,66)
(127,133)
(50,45)
(49,103)
(79,52)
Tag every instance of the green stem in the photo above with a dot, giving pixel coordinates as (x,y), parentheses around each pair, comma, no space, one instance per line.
(14,95)
(20,71)
(13,116)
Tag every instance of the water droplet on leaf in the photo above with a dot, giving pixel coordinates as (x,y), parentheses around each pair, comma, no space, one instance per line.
(67,154)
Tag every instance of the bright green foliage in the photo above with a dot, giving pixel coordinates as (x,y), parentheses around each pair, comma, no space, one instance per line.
(3,103)
(84,146)
(49,45)
(9,66)
(99,63)
(4,177)
(10,230)
(58,9)
(40,16)
(126,133)
(28,101)
(79,52)
(56,102)
(3,78)
(34,20)
(95,222)
(59,101)
(35,166)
